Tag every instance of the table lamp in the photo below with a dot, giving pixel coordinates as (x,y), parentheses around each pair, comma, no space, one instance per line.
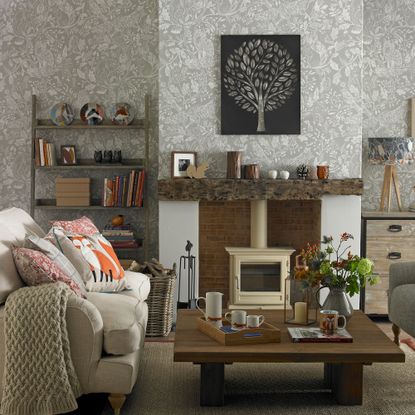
(390,152)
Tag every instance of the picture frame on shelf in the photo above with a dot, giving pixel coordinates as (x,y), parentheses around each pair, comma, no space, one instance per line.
(68,155)
(180,161)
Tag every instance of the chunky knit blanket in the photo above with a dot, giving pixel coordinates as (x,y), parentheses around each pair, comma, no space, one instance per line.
(39,377)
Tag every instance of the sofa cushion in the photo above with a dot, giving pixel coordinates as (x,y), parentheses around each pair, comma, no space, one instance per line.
(65,245)
(58,258)
(82,226)
(122,324)
(36,268)
(402,307)
(20,223)
(139,285)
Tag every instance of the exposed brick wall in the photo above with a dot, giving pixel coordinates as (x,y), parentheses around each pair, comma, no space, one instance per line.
(222,224)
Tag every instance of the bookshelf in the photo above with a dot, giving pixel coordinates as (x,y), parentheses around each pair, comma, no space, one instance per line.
(89,166)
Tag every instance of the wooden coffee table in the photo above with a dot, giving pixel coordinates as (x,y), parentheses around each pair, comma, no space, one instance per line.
(343,362)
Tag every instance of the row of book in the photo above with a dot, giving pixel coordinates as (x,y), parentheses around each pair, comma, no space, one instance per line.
(45,154)
(120,236)
(124,191)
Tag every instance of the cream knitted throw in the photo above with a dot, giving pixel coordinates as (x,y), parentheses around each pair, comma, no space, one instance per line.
(39,377)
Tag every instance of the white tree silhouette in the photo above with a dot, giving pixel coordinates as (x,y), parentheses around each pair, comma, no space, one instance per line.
(261,76)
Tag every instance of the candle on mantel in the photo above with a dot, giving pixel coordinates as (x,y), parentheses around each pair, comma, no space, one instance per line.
(300,313)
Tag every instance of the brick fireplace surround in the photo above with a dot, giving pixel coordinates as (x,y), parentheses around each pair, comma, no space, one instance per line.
(215,213)
(222,224)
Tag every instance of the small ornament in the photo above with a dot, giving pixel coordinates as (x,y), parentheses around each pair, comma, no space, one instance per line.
(98,156)
(117,220)
(197,172)
(302,171)
(107,156)
(117,156)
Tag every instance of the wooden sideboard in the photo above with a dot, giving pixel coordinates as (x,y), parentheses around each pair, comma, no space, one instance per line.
(387,237)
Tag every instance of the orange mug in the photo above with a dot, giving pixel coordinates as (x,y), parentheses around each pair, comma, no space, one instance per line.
(329,321)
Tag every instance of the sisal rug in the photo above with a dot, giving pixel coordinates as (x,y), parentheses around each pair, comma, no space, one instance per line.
(168,388)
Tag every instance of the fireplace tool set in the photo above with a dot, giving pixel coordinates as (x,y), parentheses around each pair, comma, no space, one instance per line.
(187,264)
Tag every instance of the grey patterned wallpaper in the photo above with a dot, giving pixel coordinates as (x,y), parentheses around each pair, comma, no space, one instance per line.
(331,72)
(388,84)
(78,52)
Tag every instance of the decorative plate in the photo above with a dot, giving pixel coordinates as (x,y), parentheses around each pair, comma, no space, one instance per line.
(62,114)
(121,113)
(92,113)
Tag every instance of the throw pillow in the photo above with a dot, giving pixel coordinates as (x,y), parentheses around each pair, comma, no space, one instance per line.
(108,287)
(65,245)
(35,268)
(100,256)
(82,226)
(58,258)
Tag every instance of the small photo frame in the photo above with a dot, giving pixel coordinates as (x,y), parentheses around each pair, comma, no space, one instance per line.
(180,161)
(68,155)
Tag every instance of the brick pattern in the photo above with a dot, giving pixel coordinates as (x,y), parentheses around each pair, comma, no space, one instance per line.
(221,224)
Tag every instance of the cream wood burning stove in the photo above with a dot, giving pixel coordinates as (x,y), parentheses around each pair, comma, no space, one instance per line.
(258,273)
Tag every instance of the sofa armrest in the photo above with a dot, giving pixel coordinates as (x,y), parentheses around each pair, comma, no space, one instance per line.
(400,273)
(85,331)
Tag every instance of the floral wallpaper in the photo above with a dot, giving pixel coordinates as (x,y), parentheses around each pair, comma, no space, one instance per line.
(74,51)
(331,72)
(388,84)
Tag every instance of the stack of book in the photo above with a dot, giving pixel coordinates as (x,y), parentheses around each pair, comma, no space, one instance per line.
(44,153)
(124,191)
(120,236)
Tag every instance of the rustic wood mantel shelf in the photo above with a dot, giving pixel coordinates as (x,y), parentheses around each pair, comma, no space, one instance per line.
(234,189)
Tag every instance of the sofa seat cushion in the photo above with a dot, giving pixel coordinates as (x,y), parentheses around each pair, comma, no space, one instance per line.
(123,324)
(139,285)
(402,307)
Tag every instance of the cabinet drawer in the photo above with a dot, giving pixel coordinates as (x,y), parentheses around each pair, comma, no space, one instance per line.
(391,229)
(376,297)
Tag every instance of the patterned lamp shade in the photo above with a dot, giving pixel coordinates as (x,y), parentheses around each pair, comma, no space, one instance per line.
(391,150)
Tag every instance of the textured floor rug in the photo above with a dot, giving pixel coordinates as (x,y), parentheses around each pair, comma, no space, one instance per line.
(165,387)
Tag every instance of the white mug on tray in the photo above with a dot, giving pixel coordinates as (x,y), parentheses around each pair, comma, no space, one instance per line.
(254,321)
(236,318)
(213,301)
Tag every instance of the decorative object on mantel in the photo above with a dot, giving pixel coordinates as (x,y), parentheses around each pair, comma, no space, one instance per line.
(302,171)
(273,174)
(92,113)
(284,174)
(252,171)
(234,161)
(260,74)
(323,171)
(62,114)
(180,161)
(341,275)
(390,152)
(197,172)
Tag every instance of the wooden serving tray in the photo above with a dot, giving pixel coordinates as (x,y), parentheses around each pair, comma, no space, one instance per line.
(264,334)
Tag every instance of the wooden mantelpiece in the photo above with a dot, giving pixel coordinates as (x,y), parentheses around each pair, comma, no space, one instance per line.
(242,189)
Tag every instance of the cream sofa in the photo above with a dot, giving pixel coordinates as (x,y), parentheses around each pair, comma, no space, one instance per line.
(106,331)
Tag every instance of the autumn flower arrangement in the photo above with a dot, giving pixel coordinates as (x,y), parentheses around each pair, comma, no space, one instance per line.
(334,266)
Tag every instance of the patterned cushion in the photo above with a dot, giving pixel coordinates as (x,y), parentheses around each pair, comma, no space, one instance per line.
(65,245)
(36,268)
(82,226)
(58,258)
(100,256)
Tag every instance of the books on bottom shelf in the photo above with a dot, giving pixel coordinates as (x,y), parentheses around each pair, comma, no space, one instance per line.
(315,335)
(45,154)
(121,236)
(124,191)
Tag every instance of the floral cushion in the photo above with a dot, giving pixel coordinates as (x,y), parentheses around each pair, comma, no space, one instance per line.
(83,226)
(58,258)
(35,268)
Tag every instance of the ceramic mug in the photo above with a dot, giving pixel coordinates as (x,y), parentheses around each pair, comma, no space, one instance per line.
(213,301)
(236,318)
(254,321)
(329,321)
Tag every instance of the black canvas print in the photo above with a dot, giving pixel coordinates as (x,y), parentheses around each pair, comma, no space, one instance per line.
(260,77)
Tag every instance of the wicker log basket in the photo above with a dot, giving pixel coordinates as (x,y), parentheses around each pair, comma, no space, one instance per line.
(160,300)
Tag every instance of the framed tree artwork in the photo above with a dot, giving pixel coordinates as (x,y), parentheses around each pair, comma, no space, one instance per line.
(260,84)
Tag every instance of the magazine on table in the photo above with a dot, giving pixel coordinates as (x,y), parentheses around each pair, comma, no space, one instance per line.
(315,335)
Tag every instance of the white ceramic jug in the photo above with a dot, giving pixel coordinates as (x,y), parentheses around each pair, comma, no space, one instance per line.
(213,302)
